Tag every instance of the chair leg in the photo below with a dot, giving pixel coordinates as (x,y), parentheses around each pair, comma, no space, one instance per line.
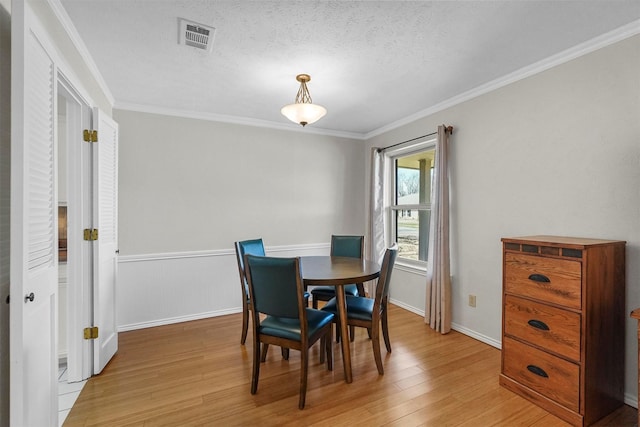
(304,356)
(352,332)
(265,348)
(256,367)
(323,346)
(328,342)
(245,323)
(375,343)
(315,302)
(285,353)
(385,331)
(361,292)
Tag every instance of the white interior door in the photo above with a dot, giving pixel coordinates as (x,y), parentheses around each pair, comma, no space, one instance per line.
(34,270)
(105,211)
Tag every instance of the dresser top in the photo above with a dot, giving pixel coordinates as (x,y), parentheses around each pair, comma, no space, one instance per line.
(561,241)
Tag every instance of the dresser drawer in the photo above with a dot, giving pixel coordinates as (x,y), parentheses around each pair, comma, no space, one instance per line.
(547,279)
(552,328)
(549,375)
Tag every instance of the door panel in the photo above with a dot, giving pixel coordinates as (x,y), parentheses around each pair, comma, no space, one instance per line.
(34,272)
(105,197)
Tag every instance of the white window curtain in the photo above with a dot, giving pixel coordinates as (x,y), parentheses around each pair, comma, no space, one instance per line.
(377,217)
(438,299)
(377,231)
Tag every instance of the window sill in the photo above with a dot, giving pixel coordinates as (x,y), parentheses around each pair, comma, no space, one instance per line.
(411,267)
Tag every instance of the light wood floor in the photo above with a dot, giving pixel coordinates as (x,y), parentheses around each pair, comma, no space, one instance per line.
(197,373)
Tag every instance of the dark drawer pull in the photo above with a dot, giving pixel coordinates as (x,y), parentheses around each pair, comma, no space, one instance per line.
(539,278)
(538,371)
(538,324)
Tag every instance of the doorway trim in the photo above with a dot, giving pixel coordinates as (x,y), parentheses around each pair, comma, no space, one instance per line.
(79,258)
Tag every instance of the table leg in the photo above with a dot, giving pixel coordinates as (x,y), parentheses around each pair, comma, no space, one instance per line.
(344,332)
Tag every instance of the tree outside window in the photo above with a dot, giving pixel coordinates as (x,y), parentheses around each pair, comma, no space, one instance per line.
(411,203)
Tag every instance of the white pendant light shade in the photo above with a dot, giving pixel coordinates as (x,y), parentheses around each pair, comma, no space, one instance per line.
(303,114)
(303,111)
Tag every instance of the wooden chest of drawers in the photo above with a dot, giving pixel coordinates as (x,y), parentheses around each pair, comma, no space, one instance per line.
(563,324)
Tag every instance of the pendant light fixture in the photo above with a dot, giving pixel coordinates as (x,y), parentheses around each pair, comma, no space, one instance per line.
(303,111)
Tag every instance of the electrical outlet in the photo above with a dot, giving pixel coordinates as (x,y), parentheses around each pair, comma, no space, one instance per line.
(472,300)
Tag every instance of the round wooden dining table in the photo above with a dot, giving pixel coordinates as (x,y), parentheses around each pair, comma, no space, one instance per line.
(339,271)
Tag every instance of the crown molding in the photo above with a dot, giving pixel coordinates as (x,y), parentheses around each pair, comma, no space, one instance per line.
(188,114)
(567,55)
(72,32)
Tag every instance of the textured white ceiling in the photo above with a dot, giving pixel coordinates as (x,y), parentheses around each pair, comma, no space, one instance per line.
(372,63)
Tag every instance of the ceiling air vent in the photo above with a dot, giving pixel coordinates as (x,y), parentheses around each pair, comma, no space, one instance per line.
(196,35)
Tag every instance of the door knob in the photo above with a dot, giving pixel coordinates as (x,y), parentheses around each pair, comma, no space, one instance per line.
(29,297)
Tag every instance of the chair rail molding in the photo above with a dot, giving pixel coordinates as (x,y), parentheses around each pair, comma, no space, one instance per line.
(294,249)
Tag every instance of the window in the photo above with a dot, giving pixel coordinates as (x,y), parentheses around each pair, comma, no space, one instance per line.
(411,200)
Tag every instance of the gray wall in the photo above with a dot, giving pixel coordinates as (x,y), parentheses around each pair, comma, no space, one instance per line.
(5,173)
(190,185)
(555,153)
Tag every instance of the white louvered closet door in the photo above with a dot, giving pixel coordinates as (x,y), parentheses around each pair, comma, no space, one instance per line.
(105,211)
(34,272)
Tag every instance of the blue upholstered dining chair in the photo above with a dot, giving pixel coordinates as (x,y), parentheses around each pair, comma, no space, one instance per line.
(370,313)
(345,246)
(277,292)
(252,247)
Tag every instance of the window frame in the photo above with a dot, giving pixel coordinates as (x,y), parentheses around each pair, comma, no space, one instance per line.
(392,155)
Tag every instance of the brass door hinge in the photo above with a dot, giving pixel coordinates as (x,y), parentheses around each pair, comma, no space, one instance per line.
(90,135)
(90,234)
(91,333)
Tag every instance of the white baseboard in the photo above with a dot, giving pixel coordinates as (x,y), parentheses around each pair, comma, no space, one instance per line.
(631,400)
(407,307)
(456,327)
(179,319)
(473,334)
